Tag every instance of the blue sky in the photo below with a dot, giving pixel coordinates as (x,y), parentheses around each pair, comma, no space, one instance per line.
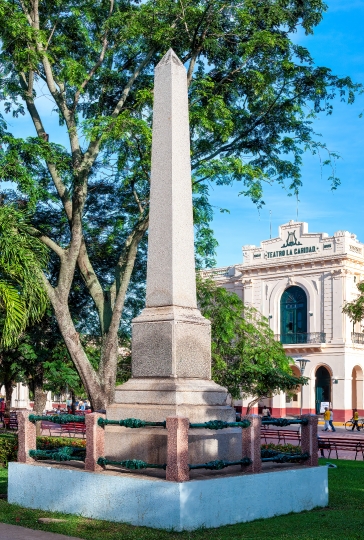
(338,43)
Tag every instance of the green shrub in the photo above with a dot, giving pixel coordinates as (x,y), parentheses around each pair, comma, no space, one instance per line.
(283,448)
(8,448)
(9,445)
(45,443)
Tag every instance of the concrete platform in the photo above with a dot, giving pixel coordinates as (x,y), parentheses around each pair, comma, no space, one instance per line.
(154,502)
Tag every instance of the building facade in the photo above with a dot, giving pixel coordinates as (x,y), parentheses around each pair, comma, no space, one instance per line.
(300,282)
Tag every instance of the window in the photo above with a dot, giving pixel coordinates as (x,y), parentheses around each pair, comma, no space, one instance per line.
(293,311)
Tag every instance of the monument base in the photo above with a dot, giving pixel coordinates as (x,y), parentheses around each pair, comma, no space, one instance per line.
(154,502)
(154,399)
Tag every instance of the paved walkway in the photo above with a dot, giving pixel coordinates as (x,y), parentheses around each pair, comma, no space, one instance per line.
(12,532)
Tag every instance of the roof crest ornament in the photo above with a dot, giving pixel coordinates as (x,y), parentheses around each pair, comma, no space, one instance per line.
(291,240)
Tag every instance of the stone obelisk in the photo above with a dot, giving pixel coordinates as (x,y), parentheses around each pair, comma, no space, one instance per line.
(171,340)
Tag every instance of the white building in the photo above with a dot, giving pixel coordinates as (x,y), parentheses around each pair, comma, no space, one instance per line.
(300,282)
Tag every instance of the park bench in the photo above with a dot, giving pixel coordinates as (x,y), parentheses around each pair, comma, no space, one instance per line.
(77,428)
(281,435)
(345,444)
(54,429)
(12,422)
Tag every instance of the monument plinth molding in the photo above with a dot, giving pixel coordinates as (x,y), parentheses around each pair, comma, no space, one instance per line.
(171,340)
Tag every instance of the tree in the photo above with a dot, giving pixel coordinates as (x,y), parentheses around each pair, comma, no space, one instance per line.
(246,358)
(355,309)
(253,94)
(23,298)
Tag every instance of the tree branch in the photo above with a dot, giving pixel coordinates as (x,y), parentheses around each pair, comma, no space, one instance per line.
(92,283)
(126,261)
(49,242)
(94,146)
(105,44)
(38,124)
(123,273)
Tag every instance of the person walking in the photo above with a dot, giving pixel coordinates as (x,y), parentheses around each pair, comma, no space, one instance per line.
(355,420)
(331,421)
(327,420)
(265,412)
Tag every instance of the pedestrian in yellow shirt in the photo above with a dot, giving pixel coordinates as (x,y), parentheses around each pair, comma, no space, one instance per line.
(327,419)
(355,420)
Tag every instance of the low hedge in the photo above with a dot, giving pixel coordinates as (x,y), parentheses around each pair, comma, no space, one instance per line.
(43,442)
(8,448)
(9,445)
(283,448)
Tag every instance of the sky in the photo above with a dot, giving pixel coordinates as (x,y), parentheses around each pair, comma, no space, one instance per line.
(338,43)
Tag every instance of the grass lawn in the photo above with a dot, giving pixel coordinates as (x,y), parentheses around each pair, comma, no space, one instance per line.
(343,519)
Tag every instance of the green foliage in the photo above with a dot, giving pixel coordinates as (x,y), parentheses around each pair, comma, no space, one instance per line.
(283,448)
(9,445)
(246,358)
(355,309)
(23,299)
(45,443)
(8,448)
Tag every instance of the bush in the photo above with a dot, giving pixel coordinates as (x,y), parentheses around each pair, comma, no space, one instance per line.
(45,443)
(8,448)
(9,445)
(283,448)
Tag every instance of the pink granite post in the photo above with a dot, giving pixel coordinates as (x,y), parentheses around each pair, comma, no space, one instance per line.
(252,443)
(27,439)
(309,441)
(95,442)
(177,449)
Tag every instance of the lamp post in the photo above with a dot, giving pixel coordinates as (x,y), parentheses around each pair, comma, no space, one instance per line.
(302,363)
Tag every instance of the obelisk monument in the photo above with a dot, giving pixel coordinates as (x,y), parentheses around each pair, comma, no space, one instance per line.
(171,340)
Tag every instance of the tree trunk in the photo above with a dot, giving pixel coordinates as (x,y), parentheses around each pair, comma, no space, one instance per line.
(73,404)
(252,403)
(40,400)
(9,386)
(90,379)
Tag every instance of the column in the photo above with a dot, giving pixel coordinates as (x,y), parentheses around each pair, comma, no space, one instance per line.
(95,442)
(27,439)
(309,441)
(177,449)
(252,443)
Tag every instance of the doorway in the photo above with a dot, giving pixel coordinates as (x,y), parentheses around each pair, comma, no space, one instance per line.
(322,388)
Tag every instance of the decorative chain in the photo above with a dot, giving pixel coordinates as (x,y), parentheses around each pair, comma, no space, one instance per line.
(285,458)
(221,464)
(57,418)
(282,422)
(133,464)
(136,423)
(129,422)
(220,424)
(67,453)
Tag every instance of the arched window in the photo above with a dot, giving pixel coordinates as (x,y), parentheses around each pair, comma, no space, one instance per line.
(294,315)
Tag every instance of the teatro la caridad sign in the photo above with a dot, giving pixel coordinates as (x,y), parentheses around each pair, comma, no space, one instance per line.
(289,247)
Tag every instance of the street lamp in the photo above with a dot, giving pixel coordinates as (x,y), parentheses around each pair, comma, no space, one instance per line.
(302,363)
